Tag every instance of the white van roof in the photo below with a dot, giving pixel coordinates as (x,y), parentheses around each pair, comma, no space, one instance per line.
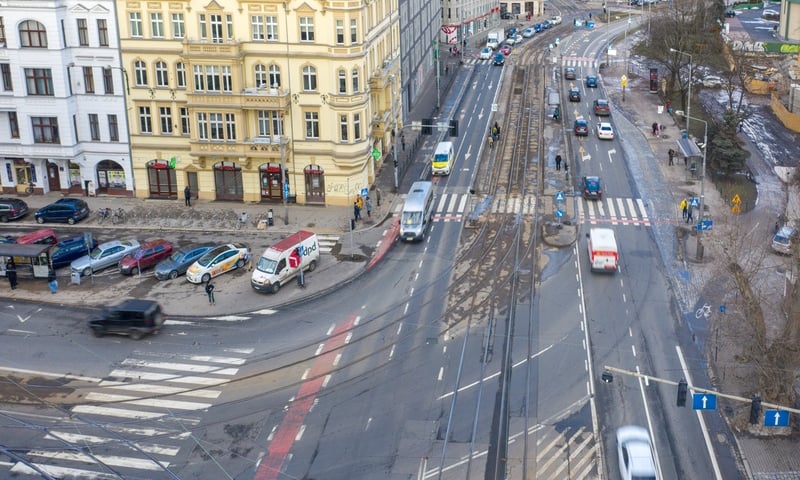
(444,147)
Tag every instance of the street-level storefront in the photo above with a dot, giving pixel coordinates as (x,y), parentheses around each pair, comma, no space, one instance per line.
(314,177)
(161,180)
(111,178)
(228,181)
(271,181)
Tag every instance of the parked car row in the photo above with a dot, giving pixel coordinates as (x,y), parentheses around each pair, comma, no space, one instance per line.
(69,210)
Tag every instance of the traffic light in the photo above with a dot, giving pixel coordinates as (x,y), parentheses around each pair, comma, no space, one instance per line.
(427,126)
(453,128)
(755,409)
(682,389)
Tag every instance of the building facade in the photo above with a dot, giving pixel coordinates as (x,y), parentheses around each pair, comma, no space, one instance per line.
(257,100)
(465,19)
(62,109)
(420,24)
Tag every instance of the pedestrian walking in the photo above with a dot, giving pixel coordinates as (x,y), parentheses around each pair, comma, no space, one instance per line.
(356,212)
(558,162)
(497,128)
(671,154)
(566,168)
(491,141)
(187,196)
(689,215)
(210,292)
(403,141)
(655,129)
(684,207)
(369,207)
(494,133)
(378,196)
(11,273)
(52,280)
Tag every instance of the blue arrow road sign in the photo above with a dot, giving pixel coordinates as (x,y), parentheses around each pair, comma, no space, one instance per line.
(705,224)
(776,418)
(364,192)
(559,213)
(559,196)
(704,401)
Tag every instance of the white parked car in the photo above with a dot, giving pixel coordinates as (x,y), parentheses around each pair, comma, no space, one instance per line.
(486,53)
(514,40)
(605,131)
(555,19)
(218,261)
(528,32)
(635,454)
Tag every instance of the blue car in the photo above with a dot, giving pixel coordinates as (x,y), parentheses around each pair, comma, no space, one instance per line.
(180,260)
(591,81)
(499,59)
(69,249)
(69,210)
(538,28)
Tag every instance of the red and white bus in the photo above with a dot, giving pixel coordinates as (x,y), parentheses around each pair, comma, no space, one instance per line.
(603,252)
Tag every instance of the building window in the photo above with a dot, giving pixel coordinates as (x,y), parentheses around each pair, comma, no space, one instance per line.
(272,27)
(5,73)
(203,28)
(263,123)
(113,128)
(216,28)
(135,24)
(356,126)
(177,25)
(227,79)
(94,126)
(180,75)
(108,81)
(162,79)
(309,79)
(343,127)
(2,32)
(353,31)
(312,124)
(229,25)
(184,121)
(75,128)
(165,116)
(102,32)
(202,126)
(339,32)
(342,81)
(215,126)
(145,122)
(199,82)
(83,32)
(230,126)
(32,34)
(140,73)
(45,129)
(212,78)
(306,29)
(274,76)
(39,81)
(257,27)
(88,79)
(355,80)
(13,124)
(157,25)
(260,73)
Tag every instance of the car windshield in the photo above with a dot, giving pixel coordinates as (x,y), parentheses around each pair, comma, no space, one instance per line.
(412,218)
(96,253)
(178,256)
(206,259)
(266,265)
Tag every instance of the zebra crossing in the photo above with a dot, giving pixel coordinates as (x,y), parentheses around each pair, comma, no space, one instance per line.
(614,211)
(326,242)
(136,419)
(583,62)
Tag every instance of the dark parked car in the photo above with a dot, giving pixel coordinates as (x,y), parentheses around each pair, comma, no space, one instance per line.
(591,81)
(569,73)
(180,260)
(68,210)
(130,317)
(581,127)
(148,255)
(574,95)
(12,209)
(592,188)
(730,13)
(68,249)
(602,108)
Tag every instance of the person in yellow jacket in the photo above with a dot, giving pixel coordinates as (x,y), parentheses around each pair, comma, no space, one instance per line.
(684,207)
(360,202)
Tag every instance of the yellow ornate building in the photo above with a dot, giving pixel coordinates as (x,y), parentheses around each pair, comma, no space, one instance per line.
(242,100)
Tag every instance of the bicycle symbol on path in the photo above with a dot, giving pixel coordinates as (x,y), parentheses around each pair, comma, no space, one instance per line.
(704,311)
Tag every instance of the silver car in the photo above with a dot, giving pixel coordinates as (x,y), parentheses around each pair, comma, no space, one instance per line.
(103,256)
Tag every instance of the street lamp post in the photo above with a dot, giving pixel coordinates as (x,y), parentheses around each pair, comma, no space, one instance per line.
(689,93)
(702,183)
(395,133)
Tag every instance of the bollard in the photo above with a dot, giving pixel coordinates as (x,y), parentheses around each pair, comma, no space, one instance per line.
(270,219)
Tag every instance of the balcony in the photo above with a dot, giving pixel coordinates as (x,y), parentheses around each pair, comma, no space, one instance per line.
(380,76)
(205,49)
(256,147)
(263,98)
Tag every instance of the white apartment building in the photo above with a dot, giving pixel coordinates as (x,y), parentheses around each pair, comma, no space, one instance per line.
(464,19)
(63,124)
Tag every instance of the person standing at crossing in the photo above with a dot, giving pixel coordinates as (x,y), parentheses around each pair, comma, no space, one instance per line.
(684,207)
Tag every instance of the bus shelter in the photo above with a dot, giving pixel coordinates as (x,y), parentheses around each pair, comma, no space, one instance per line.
(31,259)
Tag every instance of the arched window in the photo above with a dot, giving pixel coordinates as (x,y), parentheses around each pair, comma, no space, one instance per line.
(342,81)
(32,34)
(162,79)
(274,76)
(355,80)
(140,73)
(309,78)
(260,72)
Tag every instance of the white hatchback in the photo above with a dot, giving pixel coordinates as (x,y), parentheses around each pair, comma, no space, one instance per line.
(605,131)
(486,53)
(635,454)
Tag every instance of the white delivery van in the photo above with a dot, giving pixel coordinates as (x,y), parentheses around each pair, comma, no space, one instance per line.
(284,261)
(417,212)
(603,251)
(495,38)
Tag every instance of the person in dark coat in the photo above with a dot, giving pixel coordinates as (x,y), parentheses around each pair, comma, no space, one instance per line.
(11,273)
(52,280)
(187,196)
(210,293)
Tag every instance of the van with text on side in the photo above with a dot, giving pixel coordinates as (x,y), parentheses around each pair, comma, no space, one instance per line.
(285,260)
(417,212)
(443,159)
(603,251)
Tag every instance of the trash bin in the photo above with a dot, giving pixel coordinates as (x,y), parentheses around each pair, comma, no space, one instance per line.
(75,278)
(270,219)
